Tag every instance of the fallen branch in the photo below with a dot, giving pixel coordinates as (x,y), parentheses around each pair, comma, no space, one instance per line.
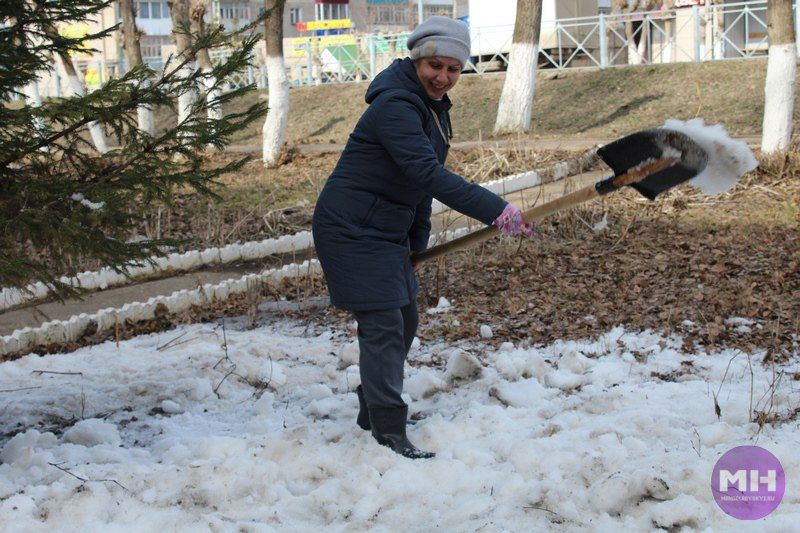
(40,372)
(86,480)
(17,390)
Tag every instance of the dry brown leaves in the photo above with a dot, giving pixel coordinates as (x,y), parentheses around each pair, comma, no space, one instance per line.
(659,265)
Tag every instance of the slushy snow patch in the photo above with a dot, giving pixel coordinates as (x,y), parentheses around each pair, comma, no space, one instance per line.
(574,435)
(728,159)
(462,365)
(92,432)
(442,306)
(349,354)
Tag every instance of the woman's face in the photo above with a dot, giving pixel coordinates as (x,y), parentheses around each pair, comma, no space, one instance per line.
(438,74)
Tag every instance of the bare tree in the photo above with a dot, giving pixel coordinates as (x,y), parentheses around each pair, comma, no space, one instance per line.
(76,84)
(133,57)
(179,13)
(197,11)
(668,50)
(781,70)
(516,101)
(274,131)
(716,30)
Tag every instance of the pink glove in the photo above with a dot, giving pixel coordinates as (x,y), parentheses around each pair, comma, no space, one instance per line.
(511,224)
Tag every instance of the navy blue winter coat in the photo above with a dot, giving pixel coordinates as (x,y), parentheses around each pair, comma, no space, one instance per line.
(375,207)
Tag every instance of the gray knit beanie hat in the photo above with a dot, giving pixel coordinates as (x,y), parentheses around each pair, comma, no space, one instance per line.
(440,36)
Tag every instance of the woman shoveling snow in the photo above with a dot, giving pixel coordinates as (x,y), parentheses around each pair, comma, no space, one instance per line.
(372,219)
(375,210)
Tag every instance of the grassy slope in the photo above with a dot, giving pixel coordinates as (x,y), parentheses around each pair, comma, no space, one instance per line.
(588,103)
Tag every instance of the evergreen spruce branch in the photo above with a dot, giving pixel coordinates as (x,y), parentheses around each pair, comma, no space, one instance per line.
(37,208)
(202,131)
(65,109)
(169,78)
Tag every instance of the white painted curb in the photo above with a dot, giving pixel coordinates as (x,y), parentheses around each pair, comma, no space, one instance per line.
(248,251)
(177,262)
(63,331)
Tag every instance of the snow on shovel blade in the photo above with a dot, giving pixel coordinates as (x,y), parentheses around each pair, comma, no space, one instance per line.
(645,146)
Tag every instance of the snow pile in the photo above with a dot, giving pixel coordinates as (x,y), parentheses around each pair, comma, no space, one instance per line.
(93,432)
(349,354)
(607,434)
(442,306)
(462,365)
(728,159)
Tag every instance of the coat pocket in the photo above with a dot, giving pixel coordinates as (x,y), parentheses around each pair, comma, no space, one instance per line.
(368,215)
(390,218)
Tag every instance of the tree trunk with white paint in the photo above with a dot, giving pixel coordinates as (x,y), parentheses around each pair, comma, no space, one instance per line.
(644,38)
(274,131)
(717,28)
(33,98)
(78,89)
(667,53)
(133,58)
(780,84)
(516,101)
(179,13)
(197,13)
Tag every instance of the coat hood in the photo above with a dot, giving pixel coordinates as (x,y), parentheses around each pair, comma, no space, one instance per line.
(401,74)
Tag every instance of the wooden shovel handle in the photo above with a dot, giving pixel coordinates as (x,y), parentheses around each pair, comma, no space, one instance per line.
(483,234)
(541,211)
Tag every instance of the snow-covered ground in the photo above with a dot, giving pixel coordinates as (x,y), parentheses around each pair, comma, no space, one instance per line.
(616,433)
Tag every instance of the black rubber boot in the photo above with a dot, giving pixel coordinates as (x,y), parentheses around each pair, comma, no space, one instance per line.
(389,429)
(363,413)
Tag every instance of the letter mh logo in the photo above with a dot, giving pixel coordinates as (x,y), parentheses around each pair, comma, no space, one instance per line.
(748,482)
(740,479)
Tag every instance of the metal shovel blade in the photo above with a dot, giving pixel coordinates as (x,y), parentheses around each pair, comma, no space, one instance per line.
(638,148)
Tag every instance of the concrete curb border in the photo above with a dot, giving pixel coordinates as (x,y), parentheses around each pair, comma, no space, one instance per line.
(298,242)
(27,339)
(176,262)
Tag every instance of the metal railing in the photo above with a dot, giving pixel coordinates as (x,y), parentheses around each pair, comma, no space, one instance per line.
(698,33)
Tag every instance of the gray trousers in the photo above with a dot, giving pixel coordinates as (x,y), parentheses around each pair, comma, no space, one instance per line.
(384,338)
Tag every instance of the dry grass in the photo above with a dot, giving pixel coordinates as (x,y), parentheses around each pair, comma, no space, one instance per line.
(584,103)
